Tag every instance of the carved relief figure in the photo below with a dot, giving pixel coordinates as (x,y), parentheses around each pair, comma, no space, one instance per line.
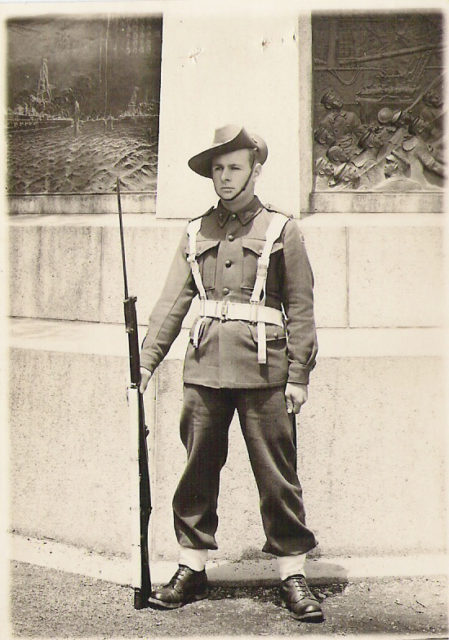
(343,127)
(379,111)
(397,173)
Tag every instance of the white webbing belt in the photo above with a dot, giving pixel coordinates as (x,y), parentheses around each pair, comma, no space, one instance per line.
(255,311)
(225,310)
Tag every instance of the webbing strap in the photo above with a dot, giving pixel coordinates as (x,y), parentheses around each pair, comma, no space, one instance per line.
(197,331)
(273,232)
(258,296)
(192,230)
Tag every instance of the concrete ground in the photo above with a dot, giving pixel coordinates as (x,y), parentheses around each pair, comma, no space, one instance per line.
(49,602)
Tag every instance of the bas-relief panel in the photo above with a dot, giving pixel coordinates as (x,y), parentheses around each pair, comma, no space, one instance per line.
(378,102)
(82,103)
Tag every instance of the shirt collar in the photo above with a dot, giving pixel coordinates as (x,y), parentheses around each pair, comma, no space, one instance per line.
(245,215)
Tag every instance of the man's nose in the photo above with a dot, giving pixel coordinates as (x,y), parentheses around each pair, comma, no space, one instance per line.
(225,174)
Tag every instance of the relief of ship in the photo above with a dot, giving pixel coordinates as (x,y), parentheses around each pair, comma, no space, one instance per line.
(25,122)
(36,112)
(136,111)
(395,87)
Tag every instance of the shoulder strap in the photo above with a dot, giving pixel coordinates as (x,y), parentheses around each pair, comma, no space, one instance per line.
(203,215)
(273,209)
(274,230)
(192,231)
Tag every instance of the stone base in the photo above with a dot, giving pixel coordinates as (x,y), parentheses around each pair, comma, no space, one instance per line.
(371,444)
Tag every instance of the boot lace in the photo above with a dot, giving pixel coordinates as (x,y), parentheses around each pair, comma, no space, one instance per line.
(301,586)
(179,575)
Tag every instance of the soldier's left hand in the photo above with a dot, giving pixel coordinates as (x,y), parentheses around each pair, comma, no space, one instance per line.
(295,396)
(145,377)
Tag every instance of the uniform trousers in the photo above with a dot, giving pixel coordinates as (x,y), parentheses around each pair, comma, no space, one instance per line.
(267,430)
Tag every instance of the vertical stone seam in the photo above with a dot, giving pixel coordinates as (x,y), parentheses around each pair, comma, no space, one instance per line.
(101,279)
(347,307)
(39,293)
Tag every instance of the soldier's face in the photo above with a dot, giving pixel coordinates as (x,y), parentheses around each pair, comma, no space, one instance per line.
(230,172)
(390,167)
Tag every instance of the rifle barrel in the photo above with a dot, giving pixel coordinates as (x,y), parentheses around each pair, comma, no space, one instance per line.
(122,239)
(141,491)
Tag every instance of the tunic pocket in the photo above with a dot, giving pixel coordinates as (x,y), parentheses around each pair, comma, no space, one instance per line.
(276,348)
(252,250)
(206,255)
(273,333)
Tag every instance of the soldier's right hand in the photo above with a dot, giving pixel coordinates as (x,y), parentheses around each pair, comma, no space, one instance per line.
(145,377)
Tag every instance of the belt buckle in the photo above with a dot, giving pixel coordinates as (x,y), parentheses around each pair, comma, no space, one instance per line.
(224,310)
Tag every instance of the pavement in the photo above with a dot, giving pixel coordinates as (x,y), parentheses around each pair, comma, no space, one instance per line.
(47,602)
(320,570)
(58,591)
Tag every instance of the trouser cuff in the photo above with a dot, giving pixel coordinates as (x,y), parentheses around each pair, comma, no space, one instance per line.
(194,558)
(291,565)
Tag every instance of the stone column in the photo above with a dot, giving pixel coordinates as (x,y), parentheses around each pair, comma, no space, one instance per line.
(218,68)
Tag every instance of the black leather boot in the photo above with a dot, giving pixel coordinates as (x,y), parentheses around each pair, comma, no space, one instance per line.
(297,597)
(185,586)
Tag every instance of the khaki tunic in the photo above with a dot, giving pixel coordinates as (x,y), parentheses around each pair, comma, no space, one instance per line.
(228,246)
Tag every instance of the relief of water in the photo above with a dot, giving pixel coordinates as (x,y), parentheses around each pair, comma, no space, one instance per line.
(55,160)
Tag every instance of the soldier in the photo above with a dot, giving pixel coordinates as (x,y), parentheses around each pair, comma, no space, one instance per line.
(343,126)
(397,171)
(251,349)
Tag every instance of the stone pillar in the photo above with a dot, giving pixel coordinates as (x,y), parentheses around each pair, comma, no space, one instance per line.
(218,68)
(305,112)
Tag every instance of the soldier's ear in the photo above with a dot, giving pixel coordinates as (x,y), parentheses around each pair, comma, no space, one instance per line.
(257,170)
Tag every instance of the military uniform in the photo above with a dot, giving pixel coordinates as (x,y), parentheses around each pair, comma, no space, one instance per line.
(222,371)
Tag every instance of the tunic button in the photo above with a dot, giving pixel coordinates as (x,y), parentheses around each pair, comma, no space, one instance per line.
(230,237)
(275,335)
(234,216)
(225,291)
(228,263)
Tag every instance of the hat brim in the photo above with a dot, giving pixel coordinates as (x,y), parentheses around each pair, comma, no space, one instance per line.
(201,162)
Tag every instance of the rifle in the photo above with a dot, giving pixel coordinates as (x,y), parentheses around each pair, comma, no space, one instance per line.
(141,494)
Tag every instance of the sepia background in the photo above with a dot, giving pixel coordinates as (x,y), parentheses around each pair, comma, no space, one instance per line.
(371,439)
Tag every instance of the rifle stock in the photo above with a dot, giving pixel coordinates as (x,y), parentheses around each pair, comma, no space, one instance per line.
(141,494)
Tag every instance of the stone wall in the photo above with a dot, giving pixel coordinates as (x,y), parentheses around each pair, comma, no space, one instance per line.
(371,438)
